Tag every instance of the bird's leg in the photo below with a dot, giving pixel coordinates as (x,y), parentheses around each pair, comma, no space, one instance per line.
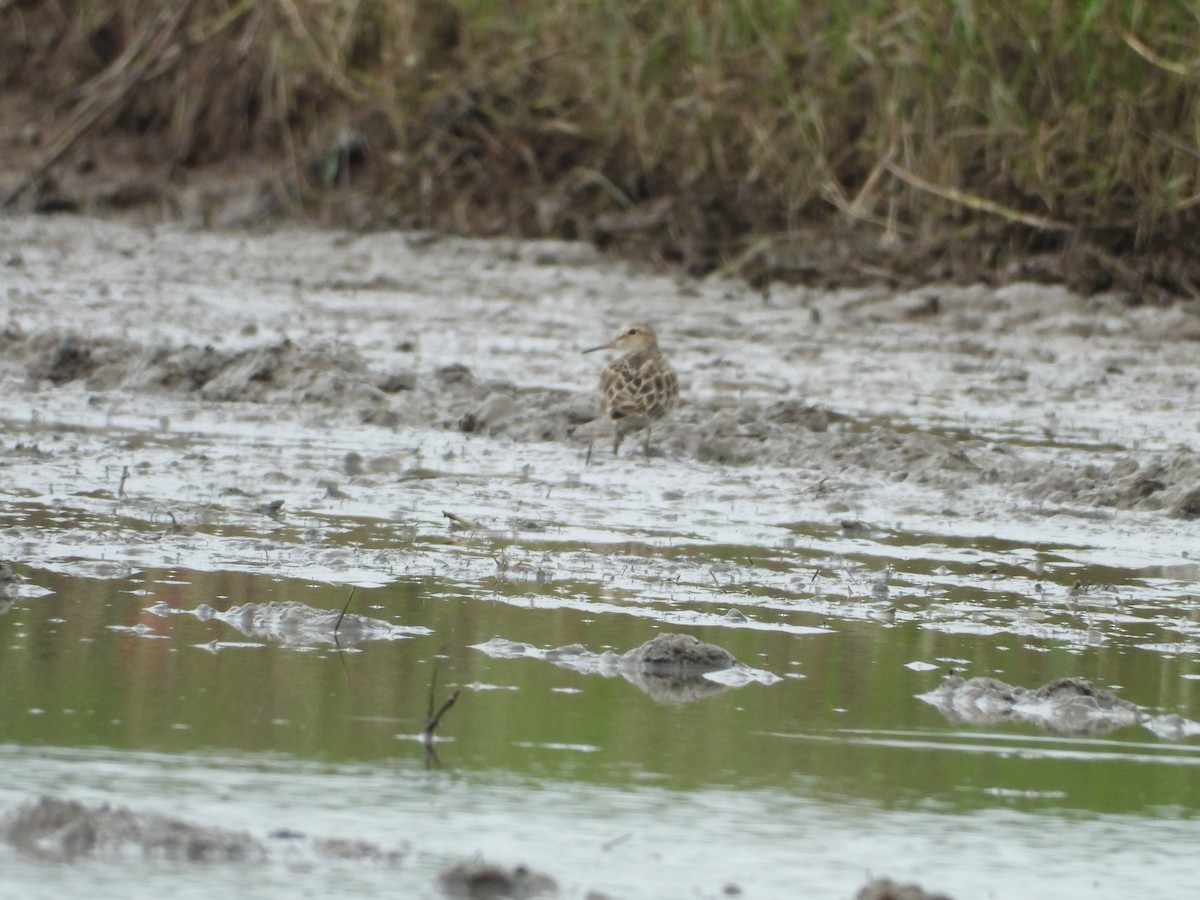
(646,445)
(617,435)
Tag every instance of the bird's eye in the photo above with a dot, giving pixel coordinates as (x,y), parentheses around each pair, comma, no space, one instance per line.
(632,331)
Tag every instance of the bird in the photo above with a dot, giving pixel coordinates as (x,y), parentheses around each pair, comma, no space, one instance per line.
(636,389)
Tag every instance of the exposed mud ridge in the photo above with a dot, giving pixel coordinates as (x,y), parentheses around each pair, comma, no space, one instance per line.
(1167,481)
(296,624)
(1067,706)
(321,374)
(65,830)
(675,668)
(285,372)
(772,432)
(68,830)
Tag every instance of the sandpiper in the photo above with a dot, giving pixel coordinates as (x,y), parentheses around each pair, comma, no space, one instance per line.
(639,387)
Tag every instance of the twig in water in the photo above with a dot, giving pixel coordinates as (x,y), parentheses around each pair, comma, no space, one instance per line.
(433,723)
(338,623)
(431,718)
(432,688)
(121,486)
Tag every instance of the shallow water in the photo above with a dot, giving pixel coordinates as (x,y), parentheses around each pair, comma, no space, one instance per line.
(973,504)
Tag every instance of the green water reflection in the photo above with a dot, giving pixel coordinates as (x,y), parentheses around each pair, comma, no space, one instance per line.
(88,665)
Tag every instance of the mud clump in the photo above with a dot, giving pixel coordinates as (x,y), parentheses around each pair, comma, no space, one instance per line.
(1066,706)
(397,382)
(279,371)
(356,851)
(296,624)
(62,358)
(918,457)
(496,408)
(1165,481)
(333,375)
(1188,506)
(678,653)
(796,412)
(674,668)
(479,880)
(67,362)
(65,830)
(886,889)
(9,580)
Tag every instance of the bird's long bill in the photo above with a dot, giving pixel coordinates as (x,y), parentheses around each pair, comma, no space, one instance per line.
(607,346)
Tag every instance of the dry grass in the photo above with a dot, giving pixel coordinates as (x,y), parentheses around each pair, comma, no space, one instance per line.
(710,133)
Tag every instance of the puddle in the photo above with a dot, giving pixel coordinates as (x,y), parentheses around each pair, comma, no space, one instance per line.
(268,500)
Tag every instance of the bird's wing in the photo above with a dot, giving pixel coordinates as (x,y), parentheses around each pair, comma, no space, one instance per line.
(646,389)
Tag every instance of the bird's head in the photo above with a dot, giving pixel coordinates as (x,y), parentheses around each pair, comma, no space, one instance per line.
(635,336)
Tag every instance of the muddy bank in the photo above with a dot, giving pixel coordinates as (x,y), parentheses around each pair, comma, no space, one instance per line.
(235,397)
(229,431)
(727,427)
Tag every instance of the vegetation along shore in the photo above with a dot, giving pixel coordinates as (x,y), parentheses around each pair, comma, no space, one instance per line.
(821,142)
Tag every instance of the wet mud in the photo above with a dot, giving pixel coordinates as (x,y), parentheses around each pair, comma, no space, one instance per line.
(69,831)
(996,345)
(415,415)
(65,830)
(726,430)
(250,398)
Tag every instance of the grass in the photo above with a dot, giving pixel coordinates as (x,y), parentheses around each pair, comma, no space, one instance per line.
(713,134)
